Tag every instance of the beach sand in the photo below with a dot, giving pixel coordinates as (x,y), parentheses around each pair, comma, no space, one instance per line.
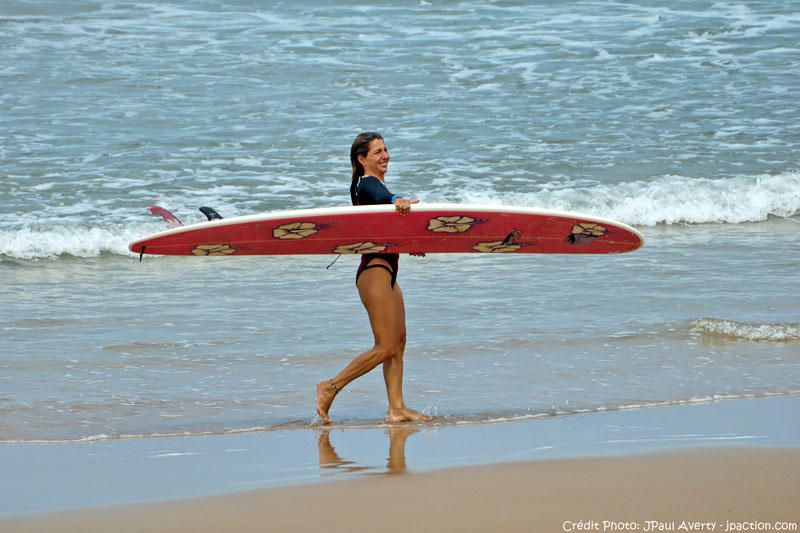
(722,488)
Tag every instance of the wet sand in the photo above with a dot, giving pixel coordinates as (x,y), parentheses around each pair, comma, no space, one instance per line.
(729,461)
(717,488)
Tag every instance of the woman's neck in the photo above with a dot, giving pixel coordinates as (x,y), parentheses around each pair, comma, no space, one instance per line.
(374,174)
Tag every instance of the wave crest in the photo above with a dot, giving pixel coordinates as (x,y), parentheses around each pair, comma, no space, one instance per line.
(744,331)
(29,243)
(667,200)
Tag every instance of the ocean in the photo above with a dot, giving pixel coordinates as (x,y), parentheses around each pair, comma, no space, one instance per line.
(681,120)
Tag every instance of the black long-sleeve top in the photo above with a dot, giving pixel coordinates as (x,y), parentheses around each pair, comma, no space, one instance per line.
(372,191)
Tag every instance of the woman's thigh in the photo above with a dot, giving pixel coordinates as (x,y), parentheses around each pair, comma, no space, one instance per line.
(400,311)
(381,302)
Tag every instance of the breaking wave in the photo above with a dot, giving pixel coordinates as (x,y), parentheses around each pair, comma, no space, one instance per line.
(731,329)
(666,200)
(77,241)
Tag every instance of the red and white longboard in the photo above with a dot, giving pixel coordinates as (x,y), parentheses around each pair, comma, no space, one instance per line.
(430,228)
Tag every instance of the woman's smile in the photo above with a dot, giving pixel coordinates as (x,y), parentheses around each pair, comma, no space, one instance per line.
(376,161)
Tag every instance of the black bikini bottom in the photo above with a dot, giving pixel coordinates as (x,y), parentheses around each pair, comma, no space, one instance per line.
(392,259)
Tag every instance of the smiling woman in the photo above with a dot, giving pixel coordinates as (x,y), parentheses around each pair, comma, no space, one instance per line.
(376,280)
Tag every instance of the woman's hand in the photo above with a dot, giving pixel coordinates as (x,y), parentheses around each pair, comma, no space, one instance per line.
(403,206)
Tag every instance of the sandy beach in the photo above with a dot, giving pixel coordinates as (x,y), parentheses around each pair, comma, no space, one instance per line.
(717,466)
(708,489)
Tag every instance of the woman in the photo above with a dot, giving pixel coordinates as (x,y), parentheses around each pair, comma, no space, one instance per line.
(376,280)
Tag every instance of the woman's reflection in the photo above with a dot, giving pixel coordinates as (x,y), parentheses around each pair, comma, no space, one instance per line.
(395,464)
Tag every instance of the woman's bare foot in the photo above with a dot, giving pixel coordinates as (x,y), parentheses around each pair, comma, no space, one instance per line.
(329,459)
(326,392)
(406,415)
(397,448)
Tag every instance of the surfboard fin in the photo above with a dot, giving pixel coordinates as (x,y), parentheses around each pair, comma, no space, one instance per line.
(210,213)
(512,237)
(171,220)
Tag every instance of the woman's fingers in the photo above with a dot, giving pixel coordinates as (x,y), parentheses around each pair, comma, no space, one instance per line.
(403,206)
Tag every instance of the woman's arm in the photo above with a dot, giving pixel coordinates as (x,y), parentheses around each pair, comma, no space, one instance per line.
(372,191)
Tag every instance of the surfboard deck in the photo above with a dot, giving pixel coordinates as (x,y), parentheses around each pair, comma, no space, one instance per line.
(429,228)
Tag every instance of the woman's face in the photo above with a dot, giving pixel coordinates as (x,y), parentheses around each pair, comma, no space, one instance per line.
(376,162)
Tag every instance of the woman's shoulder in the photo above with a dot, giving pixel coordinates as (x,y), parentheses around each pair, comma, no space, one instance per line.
(371,182)
(370,178)
(372,190)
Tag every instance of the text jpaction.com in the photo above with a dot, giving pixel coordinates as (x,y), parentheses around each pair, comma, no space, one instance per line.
(657,526)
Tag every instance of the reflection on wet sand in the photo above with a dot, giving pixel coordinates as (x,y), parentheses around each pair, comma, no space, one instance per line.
(395,463)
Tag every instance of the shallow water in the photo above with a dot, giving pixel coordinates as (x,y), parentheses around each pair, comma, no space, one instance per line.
(682,121)
(109,346)
(188,467)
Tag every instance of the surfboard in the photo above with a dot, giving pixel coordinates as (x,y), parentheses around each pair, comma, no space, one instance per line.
(429,228)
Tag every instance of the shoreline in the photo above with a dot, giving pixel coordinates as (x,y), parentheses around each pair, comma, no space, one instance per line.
(709,489)
(106,474)
(438,422)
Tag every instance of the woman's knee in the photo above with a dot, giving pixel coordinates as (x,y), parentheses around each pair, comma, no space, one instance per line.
(384,352)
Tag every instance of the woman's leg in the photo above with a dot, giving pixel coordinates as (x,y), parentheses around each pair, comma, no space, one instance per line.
(377,295)
(393,369)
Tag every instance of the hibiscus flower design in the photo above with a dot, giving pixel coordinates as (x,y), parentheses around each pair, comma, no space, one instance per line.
(295,230)
(454,224)
(585,232)
(213,249)
(496,247)
(360,248)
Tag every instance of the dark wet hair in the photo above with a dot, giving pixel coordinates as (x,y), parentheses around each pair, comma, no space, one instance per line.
(360,147)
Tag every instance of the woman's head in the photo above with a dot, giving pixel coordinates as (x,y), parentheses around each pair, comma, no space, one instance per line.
(358,152)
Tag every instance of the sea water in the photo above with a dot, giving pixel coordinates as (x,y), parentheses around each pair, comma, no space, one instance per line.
(682,120)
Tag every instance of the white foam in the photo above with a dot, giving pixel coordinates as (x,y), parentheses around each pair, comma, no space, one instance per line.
(71,230)
(744,331)
(30,243)
(666,200)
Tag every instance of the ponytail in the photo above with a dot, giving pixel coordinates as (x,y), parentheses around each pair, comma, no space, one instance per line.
(354,185)
(359,147)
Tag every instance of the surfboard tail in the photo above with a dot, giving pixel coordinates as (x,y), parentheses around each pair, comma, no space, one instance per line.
(171,220)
